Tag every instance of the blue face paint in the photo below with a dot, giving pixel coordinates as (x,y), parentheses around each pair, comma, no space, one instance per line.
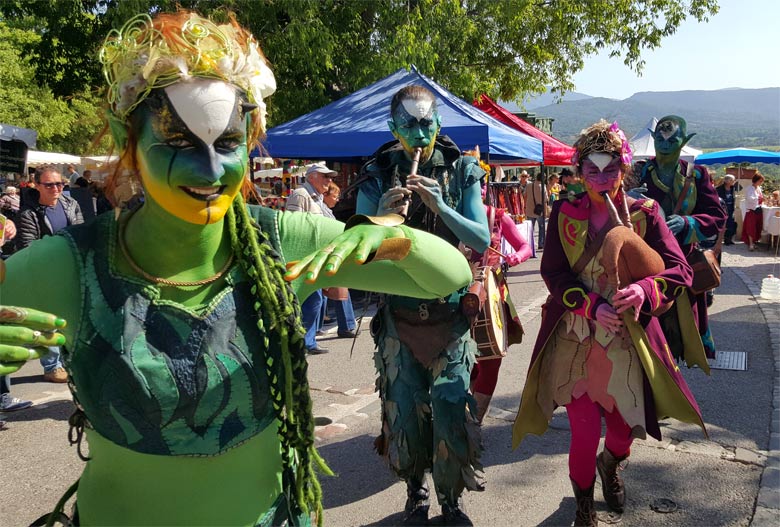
(418,129)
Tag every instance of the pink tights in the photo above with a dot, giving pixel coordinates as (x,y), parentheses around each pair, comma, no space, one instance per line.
(585,422)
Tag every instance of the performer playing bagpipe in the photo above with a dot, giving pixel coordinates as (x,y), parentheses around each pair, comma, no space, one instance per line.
(600,349)
(424,351)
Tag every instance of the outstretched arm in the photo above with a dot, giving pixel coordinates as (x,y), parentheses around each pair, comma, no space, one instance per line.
(512,234)
(387,259)
(470,226)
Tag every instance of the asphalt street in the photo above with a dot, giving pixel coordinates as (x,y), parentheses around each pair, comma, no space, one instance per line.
(728,478)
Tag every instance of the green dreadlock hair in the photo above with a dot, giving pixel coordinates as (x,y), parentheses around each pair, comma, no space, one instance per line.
(279,312)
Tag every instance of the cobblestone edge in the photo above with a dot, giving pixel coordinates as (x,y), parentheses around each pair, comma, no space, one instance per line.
(767,510)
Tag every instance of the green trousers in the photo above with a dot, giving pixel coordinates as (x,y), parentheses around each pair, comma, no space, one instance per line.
(428,415)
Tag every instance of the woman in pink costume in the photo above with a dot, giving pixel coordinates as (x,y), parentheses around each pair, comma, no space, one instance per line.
(600,349)
(484,376)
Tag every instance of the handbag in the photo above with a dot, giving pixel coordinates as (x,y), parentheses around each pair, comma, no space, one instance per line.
(704,262)
(335,293)
(706,271)
(537,206)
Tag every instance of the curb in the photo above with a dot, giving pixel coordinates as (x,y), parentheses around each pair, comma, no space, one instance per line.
(767,511)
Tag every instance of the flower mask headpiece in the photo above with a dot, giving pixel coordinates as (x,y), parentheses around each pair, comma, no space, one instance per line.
(602,137)
(145,55)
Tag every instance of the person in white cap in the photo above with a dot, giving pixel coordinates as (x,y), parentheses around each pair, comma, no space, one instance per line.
(309,198)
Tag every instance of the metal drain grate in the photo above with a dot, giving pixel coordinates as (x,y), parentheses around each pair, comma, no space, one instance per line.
(730,360)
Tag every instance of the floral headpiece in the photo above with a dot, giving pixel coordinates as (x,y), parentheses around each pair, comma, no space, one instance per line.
(146,54)
(602,137)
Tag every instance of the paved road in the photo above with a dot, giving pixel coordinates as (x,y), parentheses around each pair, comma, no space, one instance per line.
(732,478)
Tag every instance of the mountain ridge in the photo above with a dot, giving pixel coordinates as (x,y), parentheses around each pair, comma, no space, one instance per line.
(723,118)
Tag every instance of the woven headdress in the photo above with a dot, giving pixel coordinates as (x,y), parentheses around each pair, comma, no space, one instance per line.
(605,138)
(146,54)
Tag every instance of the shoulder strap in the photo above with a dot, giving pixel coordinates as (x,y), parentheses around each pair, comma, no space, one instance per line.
(591,249)
(491,224)
(689,175)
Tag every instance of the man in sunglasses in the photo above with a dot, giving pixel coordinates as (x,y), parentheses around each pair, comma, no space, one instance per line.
(50,212)
(45,212)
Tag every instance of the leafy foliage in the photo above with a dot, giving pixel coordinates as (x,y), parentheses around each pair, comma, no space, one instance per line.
(66,125)
(323,50)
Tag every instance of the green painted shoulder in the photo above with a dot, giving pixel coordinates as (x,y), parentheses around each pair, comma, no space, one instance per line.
(268,222)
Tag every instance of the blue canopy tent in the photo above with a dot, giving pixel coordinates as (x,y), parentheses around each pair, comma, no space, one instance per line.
(356,125)
(738,155)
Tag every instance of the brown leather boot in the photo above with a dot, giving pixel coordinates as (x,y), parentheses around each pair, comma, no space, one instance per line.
(611,483)
(586,512)
(483,403)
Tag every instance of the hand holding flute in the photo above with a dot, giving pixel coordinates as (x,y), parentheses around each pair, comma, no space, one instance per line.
(427,188)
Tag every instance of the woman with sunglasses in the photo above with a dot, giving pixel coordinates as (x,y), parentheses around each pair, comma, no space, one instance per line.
(183,338)
(600,350)
(46,209)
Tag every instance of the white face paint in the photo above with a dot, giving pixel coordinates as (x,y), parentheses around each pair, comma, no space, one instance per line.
(205,106)
(600,159)
(668,129)
(419,108)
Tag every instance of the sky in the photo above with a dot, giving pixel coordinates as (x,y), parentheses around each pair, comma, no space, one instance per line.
(739,47)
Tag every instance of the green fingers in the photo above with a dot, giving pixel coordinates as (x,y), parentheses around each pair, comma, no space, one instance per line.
(20,353)
(357,243)
(31,318)
(23,336)
(14,357)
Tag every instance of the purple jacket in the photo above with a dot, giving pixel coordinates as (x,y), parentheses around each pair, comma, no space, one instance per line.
(666,393)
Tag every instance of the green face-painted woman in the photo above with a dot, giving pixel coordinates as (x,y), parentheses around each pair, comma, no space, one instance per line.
(179,320)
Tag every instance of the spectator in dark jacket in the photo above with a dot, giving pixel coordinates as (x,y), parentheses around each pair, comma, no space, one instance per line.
(47,212)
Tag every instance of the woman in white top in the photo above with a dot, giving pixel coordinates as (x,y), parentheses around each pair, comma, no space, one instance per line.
(754,219)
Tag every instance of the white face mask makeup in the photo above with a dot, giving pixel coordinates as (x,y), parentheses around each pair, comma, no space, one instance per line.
(205,106)
(419,108)
(600,159)
(668,129)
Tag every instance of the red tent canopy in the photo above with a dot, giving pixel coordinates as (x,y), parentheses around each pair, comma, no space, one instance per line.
(556,153)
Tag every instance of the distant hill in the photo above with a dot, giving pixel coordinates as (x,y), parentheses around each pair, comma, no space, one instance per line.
(542,100)
(721,118)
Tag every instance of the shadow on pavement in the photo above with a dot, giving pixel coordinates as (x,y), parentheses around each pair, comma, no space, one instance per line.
(57,410)
(354,480)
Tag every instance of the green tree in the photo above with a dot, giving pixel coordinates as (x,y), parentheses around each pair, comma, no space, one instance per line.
(321,50)
(63,124)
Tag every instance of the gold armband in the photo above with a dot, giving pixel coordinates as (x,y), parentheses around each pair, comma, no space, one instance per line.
(390,248)
(388,220)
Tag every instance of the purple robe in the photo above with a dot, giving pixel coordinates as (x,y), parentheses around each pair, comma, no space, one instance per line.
(666,392)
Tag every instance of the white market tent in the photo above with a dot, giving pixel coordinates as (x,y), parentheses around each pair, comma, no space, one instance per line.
(98,161)
(39,157)
(643,147)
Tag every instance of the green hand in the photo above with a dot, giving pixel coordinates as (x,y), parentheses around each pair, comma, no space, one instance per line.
(25,335)
(358,243)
